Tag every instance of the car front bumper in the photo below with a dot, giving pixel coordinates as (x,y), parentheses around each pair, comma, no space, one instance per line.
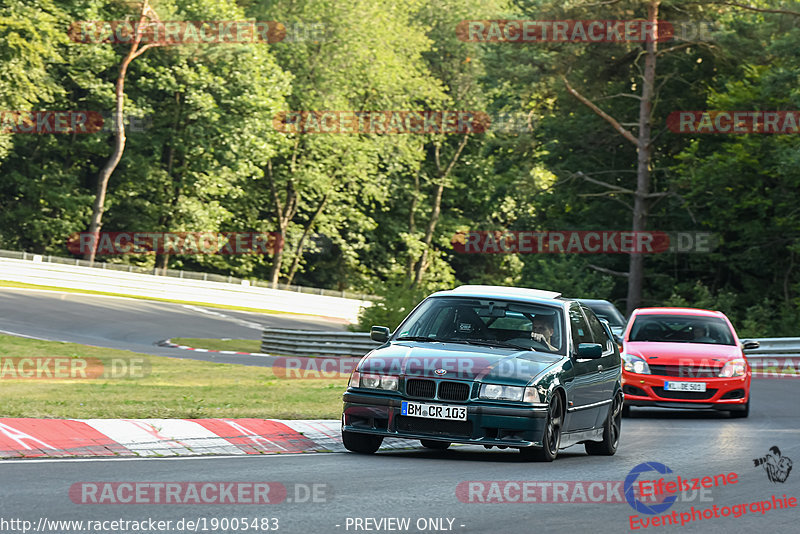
(729,394)
(486,424)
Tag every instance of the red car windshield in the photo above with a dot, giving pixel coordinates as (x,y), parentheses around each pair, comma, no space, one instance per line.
(681,329)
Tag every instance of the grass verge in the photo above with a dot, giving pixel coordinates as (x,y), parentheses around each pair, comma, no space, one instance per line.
(170,388)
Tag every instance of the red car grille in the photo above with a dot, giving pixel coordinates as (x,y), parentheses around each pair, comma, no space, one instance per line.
(684,395)
(685,371)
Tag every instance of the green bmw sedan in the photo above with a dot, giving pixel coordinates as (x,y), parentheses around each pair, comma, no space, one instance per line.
(494,366)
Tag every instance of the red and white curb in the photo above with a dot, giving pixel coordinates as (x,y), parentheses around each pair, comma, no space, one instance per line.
(170,344)
(47,438)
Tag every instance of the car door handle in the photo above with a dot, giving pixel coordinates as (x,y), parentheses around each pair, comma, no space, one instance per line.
(600,368)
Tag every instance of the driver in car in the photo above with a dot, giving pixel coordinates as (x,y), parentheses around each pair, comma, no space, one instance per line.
(543,330)
(700,335)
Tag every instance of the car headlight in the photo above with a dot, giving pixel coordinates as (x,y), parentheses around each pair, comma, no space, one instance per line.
(737,367)
(635,364)
(385,382)
(498,392)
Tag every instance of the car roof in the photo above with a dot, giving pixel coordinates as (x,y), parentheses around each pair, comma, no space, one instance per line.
(678,311)
(594,301)
(523,294)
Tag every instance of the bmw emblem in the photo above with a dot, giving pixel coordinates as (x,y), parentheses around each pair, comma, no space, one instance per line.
(440,372)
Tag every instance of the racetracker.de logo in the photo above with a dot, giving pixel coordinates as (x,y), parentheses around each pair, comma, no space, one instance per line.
(50,122)
(205,492)
(563,31)
(464,368)
(734,122)
(181,243)
(544,491)
(177,32)
(559,242)
(42,368)
(381,122)
(581,242)
(775,367)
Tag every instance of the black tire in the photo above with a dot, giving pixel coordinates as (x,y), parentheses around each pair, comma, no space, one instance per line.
(551,438)
(626,410)
(362,443)
(741,414)
(436,445)
(611,431)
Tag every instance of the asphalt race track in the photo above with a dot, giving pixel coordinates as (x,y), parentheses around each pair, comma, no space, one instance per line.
(137,325)
(416,484)
(422,484)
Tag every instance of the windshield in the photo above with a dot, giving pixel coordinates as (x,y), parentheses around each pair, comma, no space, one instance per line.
(681,329)
(484,321)
(607,311)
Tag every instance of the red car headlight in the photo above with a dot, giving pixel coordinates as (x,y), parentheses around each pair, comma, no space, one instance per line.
(737,367)
(635,364)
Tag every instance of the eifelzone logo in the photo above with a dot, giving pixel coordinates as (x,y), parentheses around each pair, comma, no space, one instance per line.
(629,488)
(777,466)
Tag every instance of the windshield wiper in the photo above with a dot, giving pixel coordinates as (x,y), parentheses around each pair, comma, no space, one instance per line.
(489,343)
(417,338)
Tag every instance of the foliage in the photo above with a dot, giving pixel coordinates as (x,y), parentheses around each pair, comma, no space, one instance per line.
(363,209)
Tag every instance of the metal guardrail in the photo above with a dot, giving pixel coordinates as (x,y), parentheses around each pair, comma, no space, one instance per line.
(316,343)
(776,357)
(176,273)
(319,343)
(774,347)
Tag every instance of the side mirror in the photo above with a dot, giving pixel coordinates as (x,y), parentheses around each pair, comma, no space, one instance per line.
(590,351)
(618,339)
(379,334)
(750,345)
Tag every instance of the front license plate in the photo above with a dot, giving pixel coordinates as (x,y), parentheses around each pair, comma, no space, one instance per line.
(685,386)
(433,411)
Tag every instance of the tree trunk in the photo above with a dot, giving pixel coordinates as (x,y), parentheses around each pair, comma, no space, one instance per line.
(422,263)
(644,155)
(284,214)
(641,202)
(119,135)
(412,227)
(174,192)
(299,251)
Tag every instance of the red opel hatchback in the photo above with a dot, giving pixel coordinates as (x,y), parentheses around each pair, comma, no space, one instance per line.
(684,358)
